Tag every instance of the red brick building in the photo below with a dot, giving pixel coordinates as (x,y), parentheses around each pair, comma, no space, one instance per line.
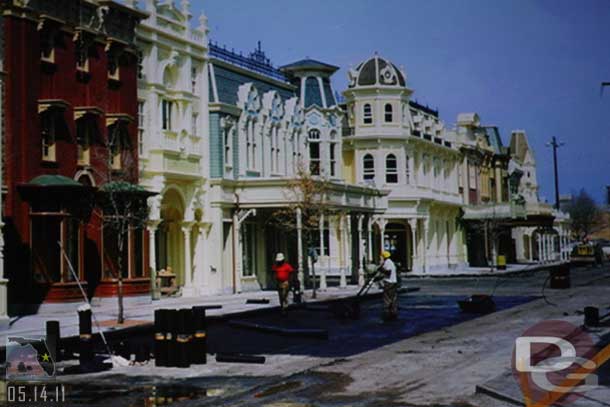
(70,127)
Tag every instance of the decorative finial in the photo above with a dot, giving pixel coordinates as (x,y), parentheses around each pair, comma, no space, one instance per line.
(186,7)
(203,23)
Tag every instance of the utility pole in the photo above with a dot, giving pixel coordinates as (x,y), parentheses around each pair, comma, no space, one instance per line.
(553,143)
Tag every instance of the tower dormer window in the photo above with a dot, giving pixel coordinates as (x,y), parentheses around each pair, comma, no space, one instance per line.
(367,114)
(388,116)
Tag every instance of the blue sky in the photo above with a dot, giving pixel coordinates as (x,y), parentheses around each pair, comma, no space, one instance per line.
(532,65)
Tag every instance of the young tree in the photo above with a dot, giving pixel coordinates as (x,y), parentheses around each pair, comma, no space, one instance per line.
(308,195)
(585,216)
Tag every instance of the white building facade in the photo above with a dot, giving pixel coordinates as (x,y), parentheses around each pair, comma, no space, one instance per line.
(393,143)
(173,123)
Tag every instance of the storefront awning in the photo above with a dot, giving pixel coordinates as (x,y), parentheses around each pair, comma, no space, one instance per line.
(57,193)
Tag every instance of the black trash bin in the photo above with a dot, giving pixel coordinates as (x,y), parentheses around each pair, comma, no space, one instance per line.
(560,277)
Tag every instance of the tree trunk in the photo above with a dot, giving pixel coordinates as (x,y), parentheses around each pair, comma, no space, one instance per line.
(121,317)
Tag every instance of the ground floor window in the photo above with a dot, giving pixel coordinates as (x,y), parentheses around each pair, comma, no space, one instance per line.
(49,265)
(130,259)
(248,247)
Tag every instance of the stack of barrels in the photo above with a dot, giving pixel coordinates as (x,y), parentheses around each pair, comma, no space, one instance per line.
(180,337)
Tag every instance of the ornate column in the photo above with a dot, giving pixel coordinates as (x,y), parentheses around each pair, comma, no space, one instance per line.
(200,261)
(323,250)
(187,227)
(300,247)
(360,252)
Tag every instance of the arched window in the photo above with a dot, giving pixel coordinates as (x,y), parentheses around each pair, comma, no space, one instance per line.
(391,170)
(367,114)
(314,151)
(368,167)
(388,113)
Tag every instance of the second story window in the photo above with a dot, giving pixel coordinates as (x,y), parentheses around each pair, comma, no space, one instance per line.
(388,116)
(391,169)
(166,114)
(333,153)
(47,134)
(407,170)
(367,114)
(314,151)
(84,134)
(368,167)
(141,121)
(118,137)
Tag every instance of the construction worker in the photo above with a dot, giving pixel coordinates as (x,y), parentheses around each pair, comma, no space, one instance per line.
(390,287)
(282,271)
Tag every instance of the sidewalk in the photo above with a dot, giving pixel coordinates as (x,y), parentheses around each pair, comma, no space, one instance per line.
(139,311)
(486,271)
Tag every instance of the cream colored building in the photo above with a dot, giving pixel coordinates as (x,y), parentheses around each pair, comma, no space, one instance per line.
(173,123)
(395,144)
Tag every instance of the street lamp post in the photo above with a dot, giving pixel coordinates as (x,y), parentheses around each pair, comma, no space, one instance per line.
(555,144)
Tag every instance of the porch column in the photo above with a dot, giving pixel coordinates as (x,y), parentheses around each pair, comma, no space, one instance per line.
(360,252)
(414,243)
(300,248)
(382,223)
(349,260)
(369,242)
(323,250)
(539,247)
(152,245)
(187,227)
(200,261)
(424,252)
(545,248)
(343,262)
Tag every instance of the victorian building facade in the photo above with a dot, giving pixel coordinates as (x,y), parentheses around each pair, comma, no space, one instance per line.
(70,127)
(391,142)
(267,127)
(173,132)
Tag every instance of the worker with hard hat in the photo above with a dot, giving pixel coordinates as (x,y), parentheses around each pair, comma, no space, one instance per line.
(390,287)
(282,271)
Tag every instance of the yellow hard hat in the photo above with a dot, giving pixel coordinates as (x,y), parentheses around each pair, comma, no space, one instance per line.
(385,254)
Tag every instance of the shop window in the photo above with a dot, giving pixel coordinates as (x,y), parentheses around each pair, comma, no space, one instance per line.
(113,257)
(248,236)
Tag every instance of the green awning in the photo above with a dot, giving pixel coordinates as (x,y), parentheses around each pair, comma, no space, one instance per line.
(49,180)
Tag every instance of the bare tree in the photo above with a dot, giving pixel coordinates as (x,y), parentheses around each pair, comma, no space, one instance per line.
(308,195)
(585,216)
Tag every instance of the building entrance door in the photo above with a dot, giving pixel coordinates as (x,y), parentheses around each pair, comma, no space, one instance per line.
(396,242)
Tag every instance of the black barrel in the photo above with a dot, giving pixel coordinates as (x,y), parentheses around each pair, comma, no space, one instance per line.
(591,316)
(85,335)
(53,338)
(171,326)
(161,345)
(184,337)
(560,277)
(200,337)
